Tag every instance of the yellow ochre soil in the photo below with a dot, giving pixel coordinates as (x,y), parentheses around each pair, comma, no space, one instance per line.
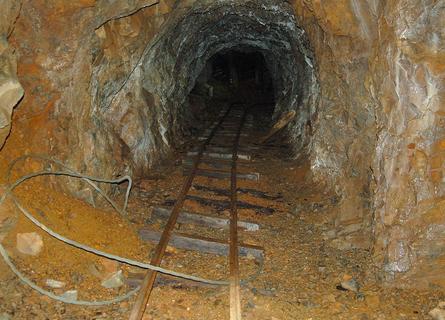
(298,280)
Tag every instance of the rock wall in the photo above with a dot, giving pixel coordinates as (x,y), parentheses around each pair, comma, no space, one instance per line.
(341,34)
(378,138)
(72,62)
(407,82)
(10,89)
(106,87)
(197,30)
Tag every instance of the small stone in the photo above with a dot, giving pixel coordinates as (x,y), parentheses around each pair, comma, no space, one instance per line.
(55,284)
(351,285)
(76,277)
(110,266)
(70,295)
(321,269)
(330,234)
(341,244)
(329,298)
(364,316)
(309,304)
(298,209)
(5,316)
(115,281)
(29,243)
(438,313)
(360,296)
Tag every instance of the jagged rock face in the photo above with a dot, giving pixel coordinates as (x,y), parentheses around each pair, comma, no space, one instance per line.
(10,89)
(407,83)
(344,140)
(106,87)
(196,31)
(379,134)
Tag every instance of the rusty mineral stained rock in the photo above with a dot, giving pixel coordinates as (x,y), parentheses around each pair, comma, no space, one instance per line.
(10,89)
(107,91)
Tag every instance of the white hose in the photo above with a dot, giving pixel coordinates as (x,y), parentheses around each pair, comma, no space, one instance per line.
(78,245)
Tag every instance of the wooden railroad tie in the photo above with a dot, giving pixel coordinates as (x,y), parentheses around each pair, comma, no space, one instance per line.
(224,204)
(203,244)
(220,174)
(203,220)
(219,155)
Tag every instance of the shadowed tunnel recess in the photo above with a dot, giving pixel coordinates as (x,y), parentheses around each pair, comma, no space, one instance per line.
(194,43)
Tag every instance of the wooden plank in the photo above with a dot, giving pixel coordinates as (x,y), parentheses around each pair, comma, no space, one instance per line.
(215,163)
(203,220)
(202,244)
(226,134)
(219,155)
(134,280)
(222,205)
(219,174)
(226,149)
(225,192)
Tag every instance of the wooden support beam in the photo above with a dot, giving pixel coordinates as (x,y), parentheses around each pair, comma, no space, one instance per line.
(202,244)
(203,220)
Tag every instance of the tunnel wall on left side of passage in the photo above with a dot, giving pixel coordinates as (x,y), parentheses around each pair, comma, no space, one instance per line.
(73,57)
(11,90)
(93,106)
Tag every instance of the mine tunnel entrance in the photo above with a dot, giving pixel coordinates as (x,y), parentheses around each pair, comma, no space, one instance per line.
(261,149)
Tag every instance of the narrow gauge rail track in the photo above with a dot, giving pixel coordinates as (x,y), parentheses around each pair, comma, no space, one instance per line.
(230,128)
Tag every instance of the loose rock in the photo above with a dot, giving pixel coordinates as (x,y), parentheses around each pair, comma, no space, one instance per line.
(115,281)
(350,285)
(29,243)
(438,313)
(5,316)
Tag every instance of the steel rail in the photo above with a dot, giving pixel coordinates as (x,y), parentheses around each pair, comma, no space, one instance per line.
(234,278)
(140,305)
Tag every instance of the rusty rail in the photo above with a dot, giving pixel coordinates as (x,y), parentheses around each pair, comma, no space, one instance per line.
(147,285)
(234,280)
(235,297)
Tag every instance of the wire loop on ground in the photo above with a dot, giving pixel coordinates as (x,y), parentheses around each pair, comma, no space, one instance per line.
(89,180)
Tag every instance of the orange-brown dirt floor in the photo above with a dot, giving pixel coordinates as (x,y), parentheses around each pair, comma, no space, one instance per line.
(298,280)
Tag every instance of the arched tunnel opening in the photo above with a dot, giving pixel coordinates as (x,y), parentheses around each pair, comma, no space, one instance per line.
(235,71)
(230,159)
(236,75)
